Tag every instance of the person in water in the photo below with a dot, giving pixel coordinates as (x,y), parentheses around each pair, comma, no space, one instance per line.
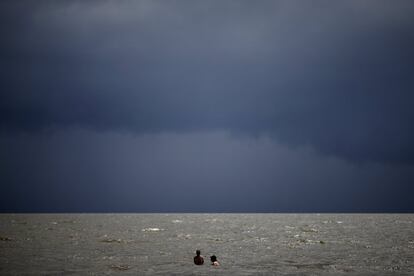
(214,260)
(198,260)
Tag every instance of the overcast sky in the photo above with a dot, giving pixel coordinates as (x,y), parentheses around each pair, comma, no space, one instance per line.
(207,106)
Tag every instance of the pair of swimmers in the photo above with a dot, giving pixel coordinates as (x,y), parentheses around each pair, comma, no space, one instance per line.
(198,260)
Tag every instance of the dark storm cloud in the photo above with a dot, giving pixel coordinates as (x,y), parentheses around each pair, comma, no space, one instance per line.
(335,76)
(89,171)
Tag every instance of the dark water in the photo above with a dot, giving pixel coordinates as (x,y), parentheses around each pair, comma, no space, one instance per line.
(245,244)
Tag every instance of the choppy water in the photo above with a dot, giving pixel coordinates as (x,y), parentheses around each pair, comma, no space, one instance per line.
(245,244)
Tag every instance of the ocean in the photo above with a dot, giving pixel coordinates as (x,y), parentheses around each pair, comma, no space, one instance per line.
(245,244)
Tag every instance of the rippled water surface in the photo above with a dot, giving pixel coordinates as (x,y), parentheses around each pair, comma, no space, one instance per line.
(245,244)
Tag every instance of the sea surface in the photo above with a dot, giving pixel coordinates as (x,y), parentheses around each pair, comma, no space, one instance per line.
(245,244)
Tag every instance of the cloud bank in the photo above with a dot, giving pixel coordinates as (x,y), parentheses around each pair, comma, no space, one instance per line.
(87,171)
(336,77)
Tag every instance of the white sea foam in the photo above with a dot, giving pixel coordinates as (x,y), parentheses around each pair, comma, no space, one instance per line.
(150,229)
